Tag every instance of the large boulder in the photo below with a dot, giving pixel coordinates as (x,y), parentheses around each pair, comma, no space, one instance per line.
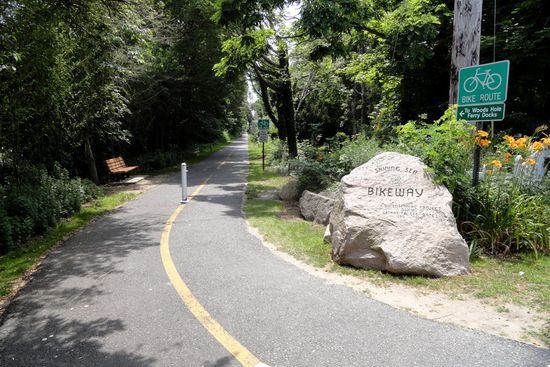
(391,216)
(316,207)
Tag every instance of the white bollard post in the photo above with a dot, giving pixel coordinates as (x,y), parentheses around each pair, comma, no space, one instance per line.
(184,183)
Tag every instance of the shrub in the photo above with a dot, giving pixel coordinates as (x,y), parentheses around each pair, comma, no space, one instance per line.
(508,211)
(320,167)
(312,175)
(445,146)
(33,201)
(361,149)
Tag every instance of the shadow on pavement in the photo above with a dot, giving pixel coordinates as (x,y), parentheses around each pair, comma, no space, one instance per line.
(58,342)
(222,362)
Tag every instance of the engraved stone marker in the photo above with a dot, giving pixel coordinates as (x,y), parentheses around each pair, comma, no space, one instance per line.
(392,217)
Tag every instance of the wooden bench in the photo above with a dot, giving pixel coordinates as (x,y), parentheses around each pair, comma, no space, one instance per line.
(117,166)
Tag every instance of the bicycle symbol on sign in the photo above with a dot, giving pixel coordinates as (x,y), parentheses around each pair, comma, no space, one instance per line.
(485,78)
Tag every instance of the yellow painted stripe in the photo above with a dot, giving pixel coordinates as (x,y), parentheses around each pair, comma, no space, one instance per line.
(240,353)
(224,161)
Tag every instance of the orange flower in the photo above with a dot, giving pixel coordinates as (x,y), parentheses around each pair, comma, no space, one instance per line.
(496,163)
(509,139)
(521,142)
(507,157)
(484,143)
(482,133)
(546,140)
(537,146)
(530,161)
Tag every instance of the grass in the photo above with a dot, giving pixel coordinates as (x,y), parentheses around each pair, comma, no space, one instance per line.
(15,263)
(523,280)
(298,238)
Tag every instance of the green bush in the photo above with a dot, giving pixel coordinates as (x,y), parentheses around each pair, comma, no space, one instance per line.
(33,201)
(312,175)
(445,146)
(319,167)
(361,149)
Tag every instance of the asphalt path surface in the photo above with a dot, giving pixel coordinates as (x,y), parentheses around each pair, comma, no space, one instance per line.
(103,298)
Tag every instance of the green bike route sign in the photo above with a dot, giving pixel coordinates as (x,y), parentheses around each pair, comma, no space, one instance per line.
(263,124)
(483,84)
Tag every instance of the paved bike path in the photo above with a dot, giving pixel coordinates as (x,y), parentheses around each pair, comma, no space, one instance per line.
(104,299)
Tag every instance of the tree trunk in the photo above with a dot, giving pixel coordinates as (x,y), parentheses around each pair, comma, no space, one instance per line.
(466,40)
(92,169)
(264,94)
(287,103)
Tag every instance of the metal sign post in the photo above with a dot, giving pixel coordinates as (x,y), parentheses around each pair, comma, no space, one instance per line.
(477,158)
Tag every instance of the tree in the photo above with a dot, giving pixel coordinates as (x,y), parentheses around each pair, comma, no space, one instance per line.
(178,100)
(63,89)
(258,43)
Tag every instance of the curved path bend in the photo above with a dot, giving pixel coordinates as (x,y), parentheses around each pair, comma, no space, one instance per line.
(110,297)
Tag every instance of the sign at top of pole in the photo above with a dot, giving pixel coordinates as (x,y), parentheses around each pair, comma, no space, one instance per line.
(263,124)
(483,84)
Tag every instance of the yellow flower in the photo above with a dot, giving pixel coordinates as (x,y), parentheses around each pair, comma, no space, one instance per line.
(537,145)
(507,157)
(530,161)
(496,163)
(509,139)
(546,140)
(482,133)
(484,143)
(521,142)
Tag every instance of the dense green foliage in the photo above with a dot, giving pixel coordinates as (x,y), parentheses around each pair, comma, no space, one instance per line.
(445,146)
(366,66)
(86,80)
(38,201)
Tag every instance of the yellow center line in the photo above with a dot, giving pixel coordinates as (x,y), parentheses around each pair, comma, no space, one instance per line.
(240,353)
(224,161)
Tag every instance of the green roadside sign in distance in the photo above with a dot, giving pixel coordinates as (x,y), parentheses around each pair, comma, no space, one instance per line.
(263,124)
(483,84)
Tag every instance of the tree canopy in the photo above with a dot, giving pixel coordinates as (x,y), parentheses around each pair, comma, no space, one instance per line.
(84,80)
